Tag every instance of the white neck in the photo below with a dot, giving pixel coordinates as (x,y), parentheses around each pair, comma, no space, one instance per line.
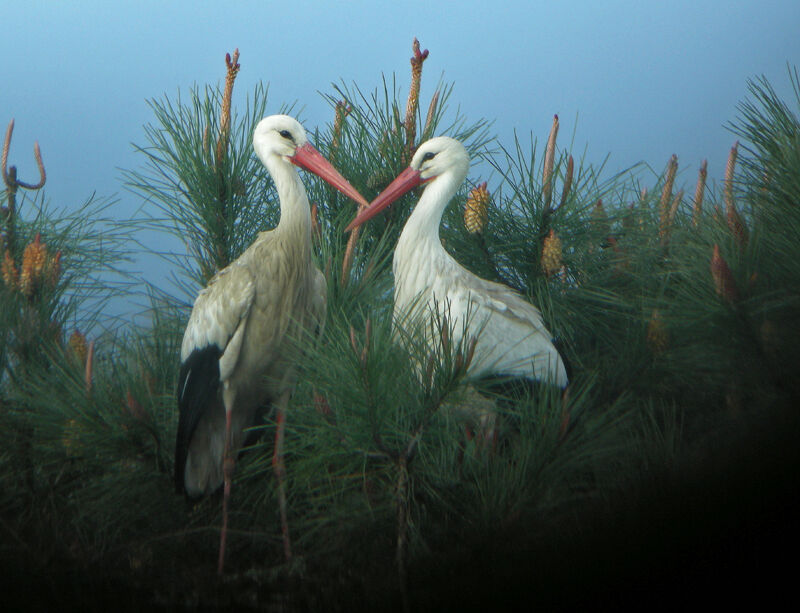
(423,224)
(419,255)
(295,211)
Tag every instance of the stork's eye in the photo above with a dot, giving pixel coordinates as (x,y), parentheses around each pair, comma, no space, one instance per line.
(286,134)
(428,156)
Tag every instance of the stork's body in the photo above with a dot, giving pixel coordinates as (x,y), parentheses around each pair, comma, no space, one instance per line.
(239,346)
(242,323)
(511,337)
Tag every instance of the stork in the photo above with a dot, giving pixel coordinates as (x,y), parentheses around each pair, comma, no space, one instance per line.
(239,345)
(511,338)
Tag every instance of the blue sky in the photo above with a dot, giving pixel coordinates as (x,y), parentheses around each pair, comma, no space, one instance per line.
(643,80)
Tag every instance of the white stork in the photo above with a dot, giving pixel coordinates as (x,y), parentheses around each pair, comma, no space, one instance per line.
(511,337)
(237,352)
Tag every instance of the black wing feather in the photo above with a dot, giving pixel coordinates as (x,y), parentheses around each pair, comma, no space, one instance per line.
(197,391)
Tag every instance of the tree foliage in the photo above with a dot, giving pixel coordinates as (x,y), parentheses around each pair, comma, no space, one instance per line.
(678,316)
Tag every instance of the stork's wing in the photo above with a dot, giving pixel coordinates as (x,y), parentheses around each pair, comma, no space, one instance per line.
(210,350)
(512,338)
(218,314)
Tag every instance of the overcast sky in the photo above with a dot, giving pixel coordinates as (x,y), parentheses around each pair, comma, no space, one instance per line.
(636,80)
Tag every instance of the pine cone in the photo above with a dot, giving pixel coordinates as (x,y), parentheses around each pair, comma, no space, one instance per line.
(476,211)
(551,254)
(10,272)
(34,258)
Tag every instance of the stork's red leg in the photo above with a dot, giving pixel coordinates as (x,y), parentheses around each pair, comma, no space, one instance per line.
(280,474)
(228,462)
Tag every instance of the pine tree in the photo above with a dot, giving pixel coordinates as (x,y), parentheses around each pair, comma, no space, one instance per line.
(678,317)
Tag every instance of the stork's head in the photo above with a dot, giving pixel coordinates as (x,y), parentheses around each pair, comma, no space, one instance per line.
(282,137)
(439,155)
(279,135)
(436,157)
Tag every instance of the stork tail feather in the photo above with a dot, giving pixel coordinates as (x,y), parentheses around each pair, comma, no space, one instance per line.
(197,390)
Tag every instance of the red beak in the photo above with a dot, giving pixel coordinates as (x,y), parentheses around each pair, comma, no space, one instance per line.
(308,158)
(403,183)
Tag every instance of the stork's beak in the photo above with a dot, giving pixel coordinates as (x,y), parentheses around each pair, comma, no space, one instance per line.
(308,158)
(403,183)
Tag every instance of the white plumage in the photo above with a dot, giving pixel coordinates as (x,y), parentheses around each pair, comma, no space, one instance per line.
(219,315)
(511,336)
(239,347)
